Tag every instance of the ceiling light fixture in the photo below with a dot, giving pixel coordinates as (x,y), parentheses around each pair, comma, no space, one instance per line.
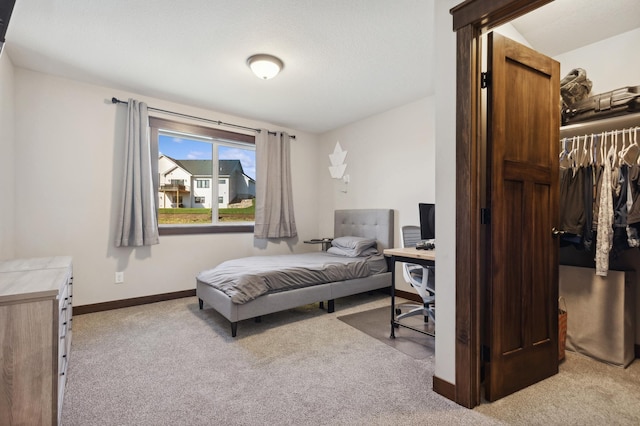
(265,66)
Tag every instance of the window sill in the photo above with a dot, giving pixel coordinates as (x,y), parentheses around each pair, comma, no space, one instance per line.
(204,229)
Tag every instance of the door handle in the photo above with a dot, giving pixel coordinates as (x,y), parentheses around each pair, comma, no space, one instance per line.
(557,232)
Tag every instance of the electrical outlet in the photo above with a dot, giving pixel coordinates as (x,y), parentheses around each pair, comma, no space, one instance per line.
(119,277)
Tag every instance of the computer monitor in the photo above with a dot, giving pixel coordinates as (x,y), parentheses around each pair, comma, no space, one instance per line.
(427,221)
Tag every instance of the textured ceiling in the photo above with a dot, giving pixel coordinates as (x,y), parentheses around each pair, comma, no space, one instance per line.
(344,59)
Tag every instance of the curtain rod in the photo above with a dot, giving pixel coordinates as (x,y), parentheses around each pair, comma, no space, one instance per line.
(219,123)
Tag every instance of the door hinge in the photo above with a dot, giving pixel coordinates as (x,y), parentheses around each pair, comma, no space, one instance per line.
(485,353)
(485,216)
(485,80)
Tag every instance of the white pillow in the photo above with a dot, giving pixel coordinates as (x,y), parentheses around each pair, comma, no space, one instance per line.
(354,246)
(352,253)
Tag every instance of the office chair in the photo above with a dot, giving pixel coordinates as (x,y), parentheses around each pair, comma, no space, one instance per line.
(422,278)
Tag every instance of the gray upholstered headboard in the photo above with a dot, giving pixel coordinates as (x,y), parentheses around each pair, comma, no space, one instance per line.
(367,223)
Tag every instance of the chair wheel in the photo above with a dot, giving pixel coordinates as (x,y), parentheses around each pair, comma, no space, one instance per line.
(398,311)
(396,325)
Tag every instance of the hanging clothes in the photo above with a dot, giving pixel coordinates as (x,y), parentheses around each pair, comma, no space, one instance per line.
(620,178)
(588,198)
(604,236)
(572,212)
(600,194)
(633,206)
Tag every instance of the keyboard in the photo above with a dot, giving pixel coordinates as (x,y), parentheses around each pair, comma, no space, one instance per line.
(426,244)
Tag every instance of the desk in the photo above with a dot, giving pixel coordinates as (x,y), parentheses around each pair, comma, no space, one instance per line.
(409,255)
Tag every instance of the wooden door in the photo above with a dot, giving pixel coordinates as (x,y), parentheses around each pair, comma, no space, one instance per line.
(522,175)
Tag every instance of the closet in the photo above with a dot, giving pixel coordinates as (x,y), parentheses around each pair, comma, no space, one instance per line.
(614,300)
(600,250)
(610,64)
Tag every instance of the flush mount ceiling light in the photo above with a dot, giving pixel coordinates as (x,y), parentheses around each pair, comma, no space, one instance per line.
(265,66)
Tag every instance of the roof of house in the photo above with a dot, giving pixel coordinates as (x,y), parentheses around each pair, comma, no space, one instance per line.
(203,167)
(227,166)
(195,167)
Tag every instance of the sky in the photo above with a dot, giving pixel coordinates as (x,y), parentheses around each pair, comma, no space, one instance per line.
(181,148)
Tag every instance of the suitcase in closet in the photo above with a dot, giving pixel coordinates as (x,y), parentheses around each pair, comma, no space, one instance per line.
(617,102)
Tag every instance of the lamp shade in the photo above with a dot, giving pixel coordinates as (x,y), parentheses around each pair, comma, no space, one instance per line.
(265,66)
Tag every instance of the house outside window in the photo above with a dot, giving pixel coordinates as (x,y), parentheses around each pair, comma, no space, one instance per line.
(190,158)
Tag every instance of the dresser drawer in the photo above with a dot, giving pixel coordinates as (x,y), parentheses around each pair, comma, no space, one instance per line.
(35,322)
(66,292)
(65,319)
(62,381)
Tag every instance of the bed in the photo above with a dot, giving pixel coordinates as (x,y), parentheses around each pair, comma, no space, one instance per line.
(250,287)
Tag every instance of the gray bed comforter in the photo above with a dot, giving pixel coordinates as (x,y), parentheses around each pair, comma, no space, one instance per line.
(248,278)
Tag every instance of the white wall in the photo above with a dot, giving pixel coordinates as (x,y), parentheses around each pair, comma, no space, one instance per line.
(7,171)
(68,144)
(446,191)
(509,31)
(610,64)
(390,162)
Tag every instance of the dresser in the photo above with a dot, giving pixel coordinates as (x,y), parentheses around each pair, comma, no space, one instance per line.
(35,338)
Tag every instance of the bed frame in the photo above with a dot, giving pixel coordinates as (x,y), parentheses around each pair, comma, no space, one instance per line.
(368,223)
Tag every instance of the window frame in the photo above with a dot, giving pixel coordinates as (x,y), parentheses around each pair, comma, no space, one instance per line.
(155,124)
(202,183)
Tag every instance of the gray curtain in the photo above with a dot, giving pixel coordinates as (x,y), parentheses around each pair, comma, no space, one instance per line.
(274,201)
(137,219)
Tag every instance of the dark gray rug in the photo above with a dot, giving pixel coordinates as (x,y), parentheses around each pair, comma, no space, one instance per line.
(377,324)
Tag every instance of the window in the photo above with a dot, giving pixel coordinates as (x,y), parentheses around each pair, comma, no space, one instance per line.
(190,158)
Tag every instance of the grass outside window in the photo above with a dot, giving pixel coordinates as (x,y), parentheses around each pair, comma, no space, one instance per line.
(203,216)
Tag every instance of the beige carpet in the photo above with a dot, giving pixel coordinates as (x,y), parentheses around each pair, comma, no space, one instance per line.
(584,392)
(170,363)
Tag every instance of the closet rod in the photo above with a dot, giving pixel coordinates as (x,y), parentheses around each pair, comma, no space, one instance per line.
(217,122)
(609,132)
(568,140)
